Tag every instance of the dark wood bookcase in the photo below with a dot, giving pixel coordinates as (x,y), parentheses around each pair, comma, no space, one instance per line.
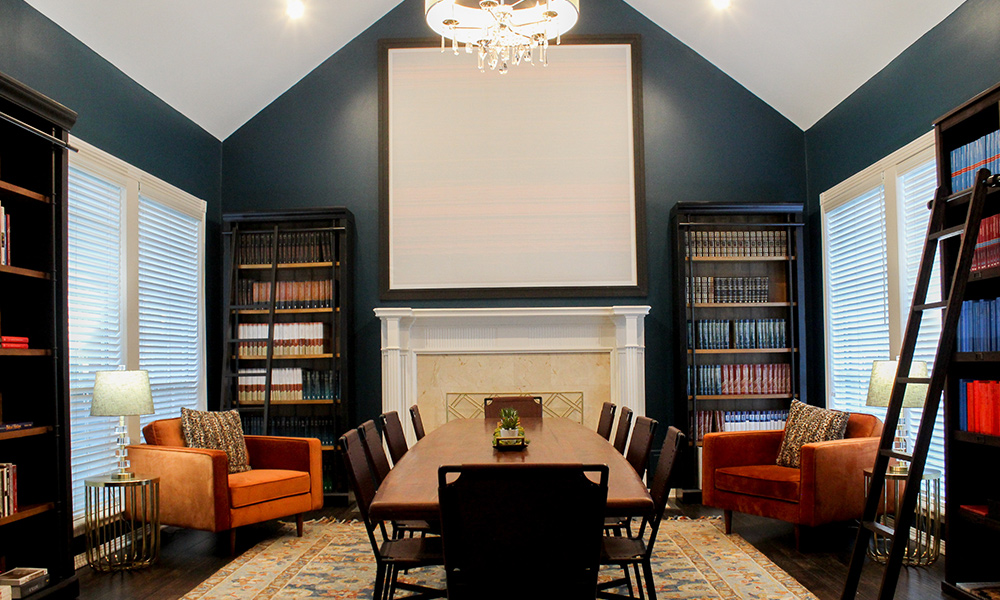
(34,381)
(972,460)
(288,333)
(738,301)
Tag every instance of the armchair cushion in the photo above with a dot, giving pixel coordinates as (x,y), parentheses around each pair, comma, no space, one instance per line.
(765,481)
(807,424)
(217,431)
(262,485)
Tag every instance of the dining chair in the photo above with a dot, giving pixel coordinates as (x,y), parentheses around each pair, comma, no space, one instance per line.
(640,444)
(624,424)
(606,421)
(418,423)
(537,526)
(395,439)
(627,550)
(377,459)
(526,406)
(392,555)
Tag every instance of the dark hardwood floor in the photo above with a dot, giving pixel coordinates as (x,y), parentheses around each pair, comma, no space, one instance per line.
(188,557)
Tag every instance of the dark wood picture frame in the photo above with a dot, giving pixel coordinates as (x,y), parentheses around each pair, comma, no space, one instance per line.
(555,291)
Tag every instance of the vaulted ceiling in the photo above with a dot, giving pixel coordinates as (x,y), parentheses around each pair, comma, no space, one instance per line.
(219,62)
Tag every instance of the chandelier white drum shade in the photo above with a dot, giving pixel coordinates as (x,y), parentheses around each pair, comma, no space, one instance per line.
(502,31)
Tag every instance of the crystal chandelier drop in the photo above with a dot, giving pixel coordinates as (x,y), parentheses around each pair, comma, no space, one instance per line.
(503,32)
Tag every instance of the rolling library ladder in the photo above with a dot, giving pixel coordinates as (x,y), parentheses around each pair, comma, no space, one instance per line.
(973,201)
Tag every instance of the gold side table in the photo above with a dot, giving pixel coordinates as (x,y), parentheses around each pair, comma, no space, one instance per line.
(924,546)
(122,522)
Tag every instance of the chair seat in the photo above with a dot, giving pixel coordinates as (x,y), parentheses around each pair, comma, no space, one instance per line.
(764,481)
(413,552)
(262,485)
(617,548)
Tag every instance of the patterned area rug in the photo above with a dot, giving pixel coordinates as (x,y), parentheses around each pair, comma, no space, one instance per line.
(694,560)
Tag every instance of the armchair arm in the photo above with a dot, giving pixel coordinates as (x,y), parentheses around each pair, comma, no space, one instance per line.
(194,484)
(736,449)
(292,453)
(832,485)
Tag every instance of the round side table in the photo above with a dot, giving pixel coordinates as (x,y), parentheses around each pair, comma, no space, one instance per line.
(122,522)
(924,545)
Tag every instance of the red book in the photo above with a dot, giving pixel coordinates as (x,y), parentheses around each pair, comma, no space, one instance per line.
(12,346)
(970,400)
(13,339)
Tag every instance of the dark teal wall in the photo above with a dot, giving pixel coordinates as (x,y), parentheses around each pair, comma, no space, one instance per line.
(950,64)
(706,138)
(122,118)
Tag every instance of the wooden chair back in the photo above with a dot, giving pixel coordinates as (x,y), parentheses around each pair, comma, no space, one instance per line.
(624,425)
(373,450)
(526,406)
(606,421)
(418,423)
(395,438)
(540,520)
(641,444)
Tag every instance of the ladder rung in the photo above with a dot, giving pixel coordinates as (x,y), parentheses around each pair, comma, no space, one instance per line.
(931,306)
(923,380)
(245,408)
(946,233)
(897,455)
(880,529)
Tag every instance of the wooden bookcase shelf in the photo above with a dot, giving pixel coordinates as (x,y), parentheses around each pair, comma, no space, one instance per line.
(972,459)
(285,268)
(34,382)
(738,299)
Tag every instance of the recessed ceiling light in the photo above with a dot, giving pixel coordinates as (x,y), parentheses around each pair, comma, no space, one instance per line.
(721,4)
(295,9)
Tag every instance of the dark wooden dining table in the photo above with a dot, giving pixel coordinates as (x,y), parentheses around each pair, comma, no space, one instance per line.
(410,491)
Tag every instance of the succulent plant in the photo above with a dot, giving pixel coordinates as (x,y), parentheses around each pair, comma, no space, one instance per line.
(509,418)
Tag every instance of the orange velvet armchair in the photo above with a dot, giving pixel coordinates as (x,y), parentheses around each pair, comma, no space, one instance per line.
(198,492)
(739,473)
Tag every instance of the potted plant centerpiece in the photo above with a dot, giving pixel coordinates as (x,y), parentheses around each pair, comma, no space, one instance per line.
(509,423)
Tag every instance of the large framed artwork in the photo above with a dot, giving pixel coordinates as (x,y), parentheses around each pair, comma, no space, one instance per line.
(526,184)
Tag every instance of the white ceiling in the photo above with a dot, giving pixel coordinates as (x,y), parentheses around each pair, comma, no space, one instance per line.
(219,62)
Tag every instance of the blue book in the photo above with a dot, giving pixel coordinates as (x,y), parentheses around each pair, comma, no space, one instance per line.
(963,413)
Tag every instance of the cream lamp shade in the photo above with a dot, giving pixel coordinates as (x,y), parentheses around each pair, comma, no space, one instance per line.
(121,393)
(880,385)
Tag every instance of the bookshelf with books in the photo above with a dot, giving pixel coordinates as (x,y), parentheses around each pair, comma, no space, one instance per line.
(967,141)
(35,502)
(288,327)
(738,276)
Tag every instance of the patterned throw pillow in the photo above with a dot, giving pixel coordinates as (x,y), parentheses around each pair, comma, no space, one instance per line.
(807,424)
(217,431)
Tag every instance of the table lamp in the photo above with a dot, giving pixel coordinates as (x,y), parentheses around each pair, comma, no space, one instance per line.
(880,390)
(120,394)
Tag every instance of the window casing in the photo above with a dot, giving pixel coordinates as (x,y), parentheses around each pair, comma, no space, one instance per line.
(136,298)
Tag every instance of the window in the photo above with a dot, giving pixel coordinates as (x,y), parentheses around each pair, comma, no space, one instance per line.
(874,226)
(136,250)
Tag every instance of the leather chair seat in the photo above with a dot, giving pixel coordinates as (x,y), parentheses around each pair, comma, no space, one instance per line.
(263,485)
(763,481)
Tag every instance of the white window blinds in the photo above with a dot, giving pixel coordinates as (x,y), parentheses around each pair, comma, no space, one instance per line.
(857,297)
(95,334)
(169,307)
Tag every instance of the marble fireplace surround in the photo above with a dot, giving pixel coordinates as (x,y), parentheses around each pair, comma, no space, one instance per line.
(408,333)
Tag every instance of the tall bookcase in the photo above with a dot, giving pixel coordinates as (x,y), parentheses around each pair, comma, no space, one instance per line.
(33,380)
(287,362)
(739,319)
(972,451)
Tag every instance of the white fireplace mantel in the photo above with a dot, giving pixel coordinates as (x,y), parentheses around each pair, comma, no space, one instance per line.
(408,332)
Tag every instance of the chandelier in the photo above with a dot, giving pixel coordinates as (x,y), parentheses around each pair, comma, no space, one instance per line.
(503,32)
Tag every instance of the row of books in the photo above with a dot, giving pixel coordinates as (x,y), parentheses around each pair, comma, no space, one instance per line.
(14,342)
(23,581)
(740,243)
(308,247)
(708,289)
(987,252)
(287,385)
(725,334)
(289,294)
(725,380)
(290,339)
(708,421)
(8,489)
(329,470)
(321,428)
(979,326)
(4,236)
(979,407)
(968,159)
